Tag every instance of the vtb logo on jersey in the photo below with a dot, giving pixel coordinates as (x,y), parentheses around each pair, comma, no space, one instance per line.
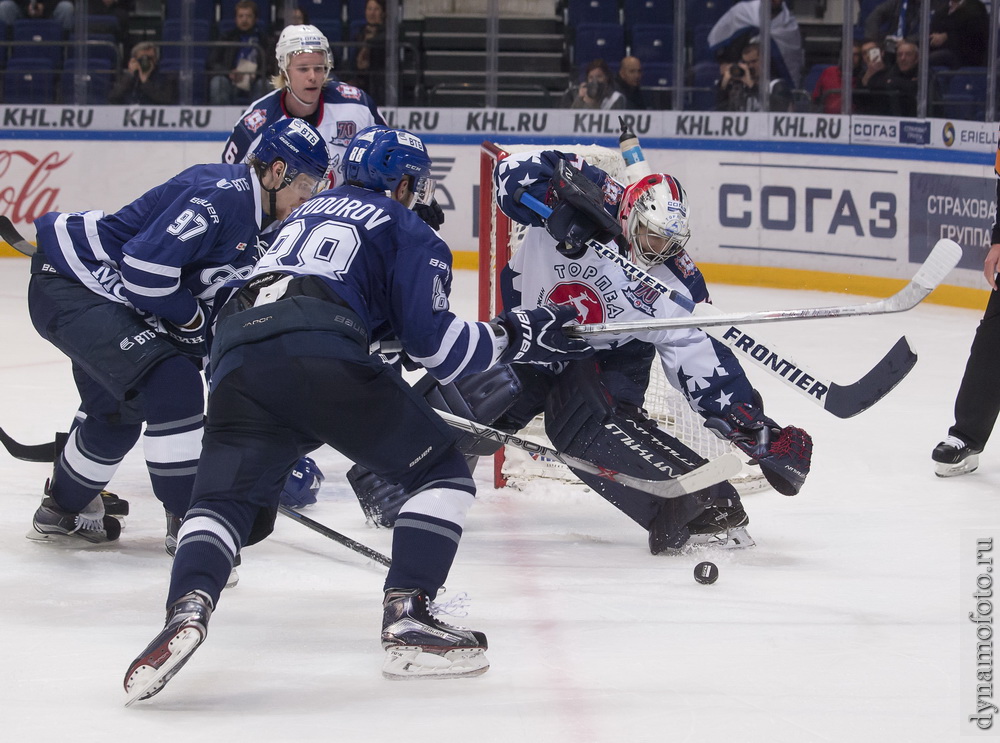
(581,297)
(643,298)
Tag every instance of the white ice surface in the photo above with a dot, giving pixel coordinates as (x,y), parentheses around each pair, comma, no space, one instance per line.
(843,624)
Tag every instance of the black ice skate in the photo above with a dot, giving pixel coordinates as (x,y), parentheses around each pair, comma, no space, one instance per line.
(954,457)
(418,645)
(721,527)
(170,545)
(91,527)
(185,629)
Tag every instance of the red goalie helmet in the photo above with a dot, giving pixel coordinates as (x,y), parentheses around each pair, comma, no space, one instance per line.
(654,216)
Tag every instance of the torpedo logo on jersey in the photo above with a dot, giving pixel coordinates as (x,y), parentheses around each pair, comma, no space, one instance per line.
(581,297)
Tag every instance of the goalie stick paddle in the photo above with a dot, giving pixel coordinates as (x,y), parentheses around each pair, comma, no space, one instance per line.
(11,236)
(335,536)
(28,452)
(712,472)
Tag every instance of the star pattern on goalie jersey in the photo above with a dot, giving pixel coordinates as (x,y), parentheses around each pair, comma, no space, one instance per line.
(693,384)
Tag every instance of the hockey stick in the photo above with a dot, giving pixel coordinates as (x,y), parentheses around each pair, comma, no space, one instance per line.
(335,536)
(28,452)
(10,235)
(942,259)
(712,472)
(843,401)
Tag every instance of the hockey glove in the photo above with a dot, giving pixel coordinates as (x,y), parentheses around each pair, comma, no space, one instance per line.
(190,339)
(579,215)
(537,335)
(302,485)
(784,454)
(431,213)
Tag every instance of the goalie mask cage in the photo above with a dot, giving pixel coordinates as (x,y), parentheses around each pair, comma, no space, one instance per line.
(499,238)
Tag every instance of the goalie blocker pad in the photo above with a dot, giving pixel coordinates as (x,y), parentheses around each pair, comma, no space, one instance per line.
(578,215)
(482,398)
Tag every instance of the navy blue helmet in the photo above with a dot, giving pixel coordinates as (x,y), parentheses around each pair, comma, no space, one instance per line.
(296,143)
(378,157)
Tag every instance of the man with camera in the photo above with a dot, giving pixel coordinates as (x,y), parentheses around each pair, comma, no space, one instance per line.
(142,81)
(739,85)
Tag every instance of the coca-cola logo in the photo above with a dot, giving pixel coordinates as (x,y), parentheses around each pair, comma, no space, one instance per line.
(24,195)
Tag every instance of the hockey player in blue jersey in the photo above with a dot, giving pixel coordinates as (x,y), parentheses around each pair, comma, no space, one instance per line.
(128,298)
(594,409)
(292,371)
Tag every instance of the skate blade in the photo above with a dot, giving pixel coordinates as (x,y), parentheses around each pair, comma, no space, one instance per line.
(405,662)
(234,578)
(734,539)
(65,540)
(967,465)
(145,680)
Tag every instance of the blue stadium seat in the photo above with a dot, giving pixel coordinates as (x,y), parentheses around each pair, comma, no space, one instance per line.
(107,51)
(653,43)
(173,32)
(649,11)
(812,76)
(965,94)
(226,25)
(598,40)
(322,12)
(199,82)
(4,50)
(701,52)
(29,80)
(706,12)
(657,75)
(591,11)
(201,10)
(99,76)
(704,96)
(31,30)
(356,10)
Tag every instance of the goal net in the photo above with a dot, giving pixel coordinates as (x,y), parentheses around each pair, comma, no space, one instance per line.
(499,238)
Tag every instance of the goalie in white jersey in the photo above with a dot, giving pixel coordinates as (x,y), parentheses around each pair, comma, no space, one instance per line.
(594,408)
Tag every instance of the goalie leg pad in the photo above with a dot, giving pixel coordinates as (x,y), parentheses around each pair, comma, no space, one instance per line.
(581,420)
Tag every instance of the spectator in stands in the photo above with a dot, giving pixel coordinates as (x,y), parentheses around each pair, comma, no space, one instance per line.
(299,17)
(142,81)
(59,10)
(891,22)
(239,73)
(895,89)
(959,34)
(872,65)
(739,85)
(369,62)
(826,95)
(733,31)
(596,90)
(627,82)
(888,89)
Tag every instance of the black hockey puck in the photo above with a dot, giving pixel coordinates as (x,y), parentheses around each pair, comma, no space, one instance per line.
(706,572)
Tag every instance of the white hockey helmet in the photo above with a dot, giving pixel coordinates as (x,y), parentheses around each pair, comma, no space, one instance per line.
(654,216)
(298,40)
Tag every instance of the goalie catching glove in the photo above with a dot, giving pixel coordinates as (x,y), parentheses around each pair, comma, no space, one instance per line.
(536,335)
(784,454)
